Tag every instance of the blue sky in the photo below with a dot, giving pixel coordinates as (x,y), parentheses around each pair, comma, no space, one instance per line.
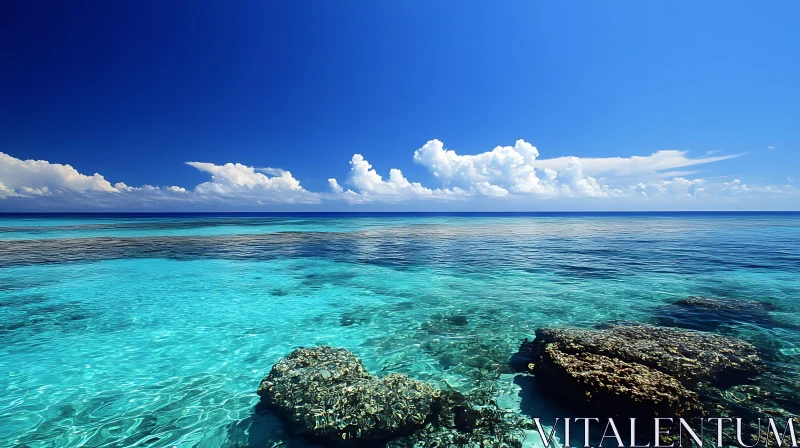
(133,91)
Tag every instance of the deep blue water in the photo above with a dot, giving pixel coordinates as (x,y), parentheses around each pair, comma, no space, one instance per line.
(122,329)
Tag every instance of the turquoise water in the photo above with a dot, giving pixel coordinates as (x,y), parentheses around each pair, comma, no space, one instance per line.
(155,331)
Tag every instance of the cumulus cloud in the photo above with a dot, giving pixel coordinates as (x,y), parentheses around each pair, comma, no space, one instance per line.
(504,173)
(675,187)
(736,186)
(40,177)
(238,181)
(334,186)
(511,170)
(518,169)
(370,186)
(56,185)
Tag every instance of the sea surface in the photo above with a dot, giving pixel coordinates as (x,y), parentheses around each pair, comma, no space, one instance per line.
(155,330)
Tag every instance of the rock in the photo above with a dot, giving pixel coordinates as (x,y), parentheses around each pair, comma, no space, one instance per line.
(635,370)
(326,394)
(612,386)
(457,422)
(688,356)
(725,304)
(709,313)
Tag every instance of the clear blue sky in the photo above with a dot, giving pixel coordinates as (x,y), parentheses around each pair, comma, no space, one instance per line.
(134,89)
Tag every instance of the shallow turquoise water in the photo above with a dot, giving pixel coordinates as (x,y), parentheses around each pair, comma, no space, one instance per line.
(156,331)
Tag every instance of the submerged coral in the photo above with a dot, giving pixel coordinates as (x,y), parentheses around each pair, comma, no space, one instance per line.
(716,303)
(710,313)
(325,394)
(614,386)
(634,369)
(689,356)
(466,421)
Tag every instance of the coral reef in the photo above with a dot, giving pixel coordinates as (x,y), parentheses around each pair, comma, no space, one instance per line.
(463,420)
(709,313)
(688,356)
(326,395)
(633,369)
(613,386)
(714,303)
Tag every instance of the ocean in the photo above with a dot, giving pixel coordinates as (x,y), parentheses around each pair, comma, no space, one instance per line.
(154,330)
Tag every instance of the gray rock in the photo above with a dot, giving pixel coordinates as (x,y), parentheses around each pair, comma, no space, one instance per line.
(326,394)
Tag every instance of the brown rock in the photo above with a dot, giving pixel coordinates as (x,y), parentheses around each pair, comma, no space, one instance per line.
(612,386)
(688,356)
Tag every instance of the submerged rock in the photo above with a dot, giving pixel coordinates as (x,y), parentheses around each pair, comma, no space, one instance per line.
(636,370)
(709,313)
(689,356)
(613,386)
(715,303)
(457,421)
(325,393)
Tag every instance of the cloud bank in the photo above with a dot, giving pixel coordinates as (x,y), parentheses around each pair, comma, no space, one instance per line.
(515,175)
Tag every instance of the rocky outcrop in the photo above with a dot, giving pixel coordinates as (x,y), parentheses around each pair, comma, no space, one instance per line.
(613,386)
(689,356)
(630,370)
(326,395)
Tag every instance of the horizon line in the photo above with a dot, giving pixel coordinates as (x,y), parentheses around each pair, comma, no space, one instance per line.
(397,212)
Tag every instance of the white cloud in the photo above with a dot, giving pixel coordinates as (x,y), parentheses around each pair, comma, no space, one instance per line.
(509,164)
(6,192)
(238,181)
(737,188)
(516,170)
(734,186)
(487,189)
(676,187)
(634,165)
(505,173)
(270,171)
(62,185)
(370,186)
(334,186)
(497,166)
(40,177)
